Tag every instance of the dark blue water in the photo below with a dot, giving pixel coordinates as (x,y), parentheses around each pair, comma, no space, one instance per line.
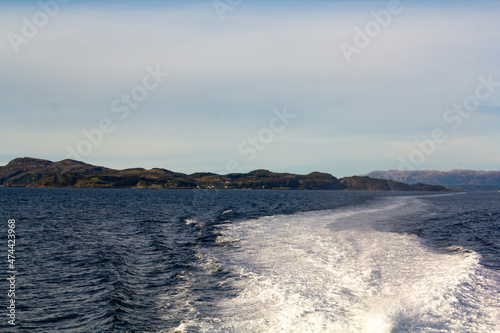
(105,260)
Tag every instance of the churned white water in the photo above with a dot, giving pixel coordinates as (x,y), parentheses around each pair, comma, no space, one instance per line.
(330,271)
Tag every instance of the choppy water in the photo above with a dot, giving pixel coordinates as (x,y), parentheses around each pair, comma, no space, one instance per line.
(103,260)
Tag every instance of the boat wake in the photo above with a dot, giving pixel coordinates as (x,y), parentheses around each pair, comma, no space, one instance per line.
(332,271)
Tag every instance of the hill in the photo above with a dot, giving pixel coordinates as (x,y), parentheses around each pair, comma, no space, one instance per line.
(374,184)
(457,179)
(32,172)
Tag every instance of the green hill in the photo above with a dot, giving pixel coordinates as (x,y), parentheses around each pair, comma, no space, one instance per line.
(32,172)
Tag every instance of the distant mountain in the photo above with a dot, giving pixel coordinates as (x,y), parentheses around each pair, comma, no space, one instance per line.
(456,179)
(32,172)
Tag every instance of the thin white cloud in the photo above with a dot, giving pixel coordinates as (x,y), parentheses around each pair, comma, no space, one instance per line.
(226,77)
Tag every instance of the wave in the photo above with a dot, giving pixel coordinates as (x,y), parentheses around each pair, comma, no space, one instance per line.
(334,271)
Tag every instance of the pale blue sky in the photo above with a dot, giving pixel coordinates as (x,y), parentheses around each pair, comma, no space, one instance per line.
(227,76)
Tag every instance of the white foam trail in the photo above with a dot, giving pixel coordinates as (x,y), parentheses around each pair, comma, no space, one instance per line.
(330,271)
(190,221)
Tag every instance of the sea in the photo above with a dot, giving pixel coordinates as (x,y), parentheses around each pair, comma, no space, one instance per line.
(133,260)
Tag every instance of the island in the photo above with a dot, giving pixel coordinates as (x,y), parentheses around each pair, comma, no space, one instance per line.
(34,172)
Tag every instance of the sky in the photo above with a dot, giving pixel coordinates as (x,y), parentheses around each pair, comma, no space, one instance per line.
(344,87)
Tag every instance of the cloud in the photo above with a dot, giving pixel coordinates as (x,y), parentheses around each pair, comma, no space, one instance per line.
(226,77)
